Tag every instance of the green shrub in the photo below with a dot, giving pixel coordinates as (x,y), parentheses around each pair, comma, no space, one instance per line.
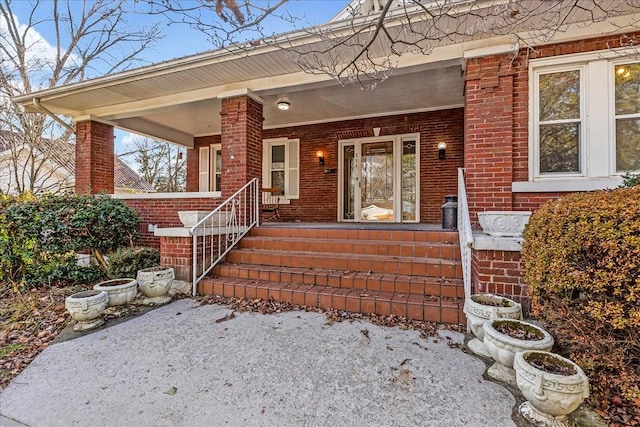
(630,179)
(582,260)
(39,236)
(125,262)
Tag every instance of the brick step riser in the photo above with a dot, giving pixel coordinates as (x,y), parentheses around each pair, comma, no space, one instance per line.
(402,249)
(429,268)
(448,288)
(443,310)
(361,235)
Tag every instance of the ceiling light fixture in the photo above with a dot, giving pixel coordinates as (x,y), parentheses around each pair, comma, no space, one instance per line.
(283,105)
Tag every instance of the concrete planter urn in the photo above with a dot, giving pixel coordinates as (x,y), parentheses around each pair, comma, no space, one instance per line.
(522,336)
(503,223)
(86,309)
(481,307)
(155,283)
(553,386)
(120,291)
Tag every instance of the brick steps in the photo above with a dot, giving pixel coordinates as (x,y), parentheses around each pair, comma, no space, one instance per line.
(346,261)
(412,273)
(417,307)
(364,247)
(394,283)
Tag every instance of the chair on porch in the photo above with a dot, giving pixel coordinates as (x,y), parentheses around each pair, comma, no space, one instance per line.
(270,204)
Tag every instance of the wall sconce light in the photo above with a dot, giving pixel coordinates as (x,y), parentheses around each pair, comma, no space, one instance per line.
(442,147)
(283,105)
(320,156)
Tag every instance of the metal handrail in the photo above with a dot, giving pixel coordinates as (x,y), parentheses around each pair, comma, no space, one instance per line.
(218,232)
(465,233)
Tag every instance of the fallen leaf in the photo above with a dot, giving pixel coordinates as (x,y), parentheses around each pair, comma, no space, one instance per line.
(171,391)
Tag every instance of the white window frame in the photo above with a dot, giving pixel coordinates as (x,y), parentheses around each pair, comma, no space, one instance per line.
(207,168)
(598,131)
(292,168)
(534,147)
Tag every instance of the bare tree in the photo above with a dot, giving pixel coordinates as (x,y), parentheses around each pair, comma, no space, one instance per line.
(89,37)
(161,164)
(363,43)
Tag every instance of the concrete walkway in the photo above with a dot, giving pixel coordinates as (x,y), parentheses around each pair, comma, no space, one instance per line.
(177,366)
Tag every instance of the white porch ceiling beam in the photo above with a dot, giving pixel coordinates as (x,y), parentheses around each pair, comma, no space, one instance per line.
(155,131)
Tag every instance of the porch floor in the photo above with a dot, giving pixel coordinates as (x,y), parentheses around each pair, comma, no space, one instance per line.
(357,226)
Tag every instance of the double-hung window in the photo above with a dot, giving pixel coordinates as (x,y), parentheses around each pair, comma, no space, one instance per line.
(210,178)
(281,167)
(584,120)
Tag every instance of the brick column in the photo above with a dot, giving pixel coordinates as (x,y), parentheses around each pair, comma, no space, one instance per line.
(488,133)
(94,158)
(241,142)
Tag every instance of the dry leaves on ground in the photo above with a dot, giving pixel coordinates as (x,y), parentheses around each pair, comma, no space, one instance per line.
(426,329)
(29,320)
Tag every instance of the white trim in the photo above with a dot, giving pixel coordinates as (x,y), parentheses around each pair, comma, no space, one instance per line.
(240,92)
(565,185)
(288,169)
(213,148)
(397,140)
(181,195)
(491,50)
(598,121)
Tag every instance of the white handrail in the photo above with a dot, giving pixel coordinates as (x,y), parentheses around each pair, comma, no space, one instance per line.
(465,233)
(218,232)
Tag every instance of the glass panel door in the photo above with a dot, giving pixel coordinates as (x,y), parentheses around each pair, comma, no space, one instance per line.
(349,182)
(409,181)
(376,181)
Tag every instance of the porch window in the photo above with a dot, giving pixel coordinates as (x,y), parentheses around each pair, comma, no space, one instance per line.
(584,117)
(281,165)
(627,116)
(210,178)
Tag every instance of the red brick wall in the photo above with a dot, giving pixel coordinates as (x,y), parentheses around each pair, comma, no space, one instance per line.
(94,158)
(177,252)
(497,128)
(437,177)
(164,213)
(241,142)
(193,155)
(498,272)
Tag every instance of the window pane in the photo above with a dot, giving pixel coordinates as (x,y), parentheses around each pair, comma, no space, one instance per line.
(277,180)
(627,78)
(559,148)
(277,154)
(218,182)
(408,180)
(560,96)
(627,144)
(218,160)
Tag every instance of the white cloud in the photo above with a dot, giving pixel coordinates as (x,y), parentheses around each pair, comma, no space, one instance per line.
(40,55)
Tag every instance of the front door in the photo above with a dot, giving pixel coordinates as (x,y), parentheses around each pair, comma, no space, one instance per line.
(378,179)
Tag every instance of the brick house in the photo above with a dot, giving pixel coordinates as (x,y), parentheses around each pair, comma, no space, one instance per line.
(361,172)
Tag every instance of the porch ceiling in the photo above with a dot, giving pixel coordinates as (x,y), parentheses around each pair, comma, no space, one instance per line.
(184,104)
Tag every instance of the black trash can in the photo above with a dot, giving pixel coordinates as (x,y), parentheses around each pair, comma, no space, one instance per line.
(450,212)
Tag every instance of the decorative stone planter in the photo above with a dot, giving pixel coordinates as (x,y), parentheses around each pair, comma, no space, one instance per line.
(120,291)
(191,218)
(503,347)
(481,307)
(155,283)
(551,396)
(503,223)
(86,308)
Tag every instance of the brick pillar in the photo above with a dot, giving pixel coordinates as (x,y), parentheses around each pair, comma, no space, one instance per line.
(94,158)
(241,142)
(488,134)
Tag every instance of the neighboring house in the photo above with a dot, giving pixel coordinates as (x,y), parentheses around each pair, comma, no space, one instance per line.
(527,124)
(55,165)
